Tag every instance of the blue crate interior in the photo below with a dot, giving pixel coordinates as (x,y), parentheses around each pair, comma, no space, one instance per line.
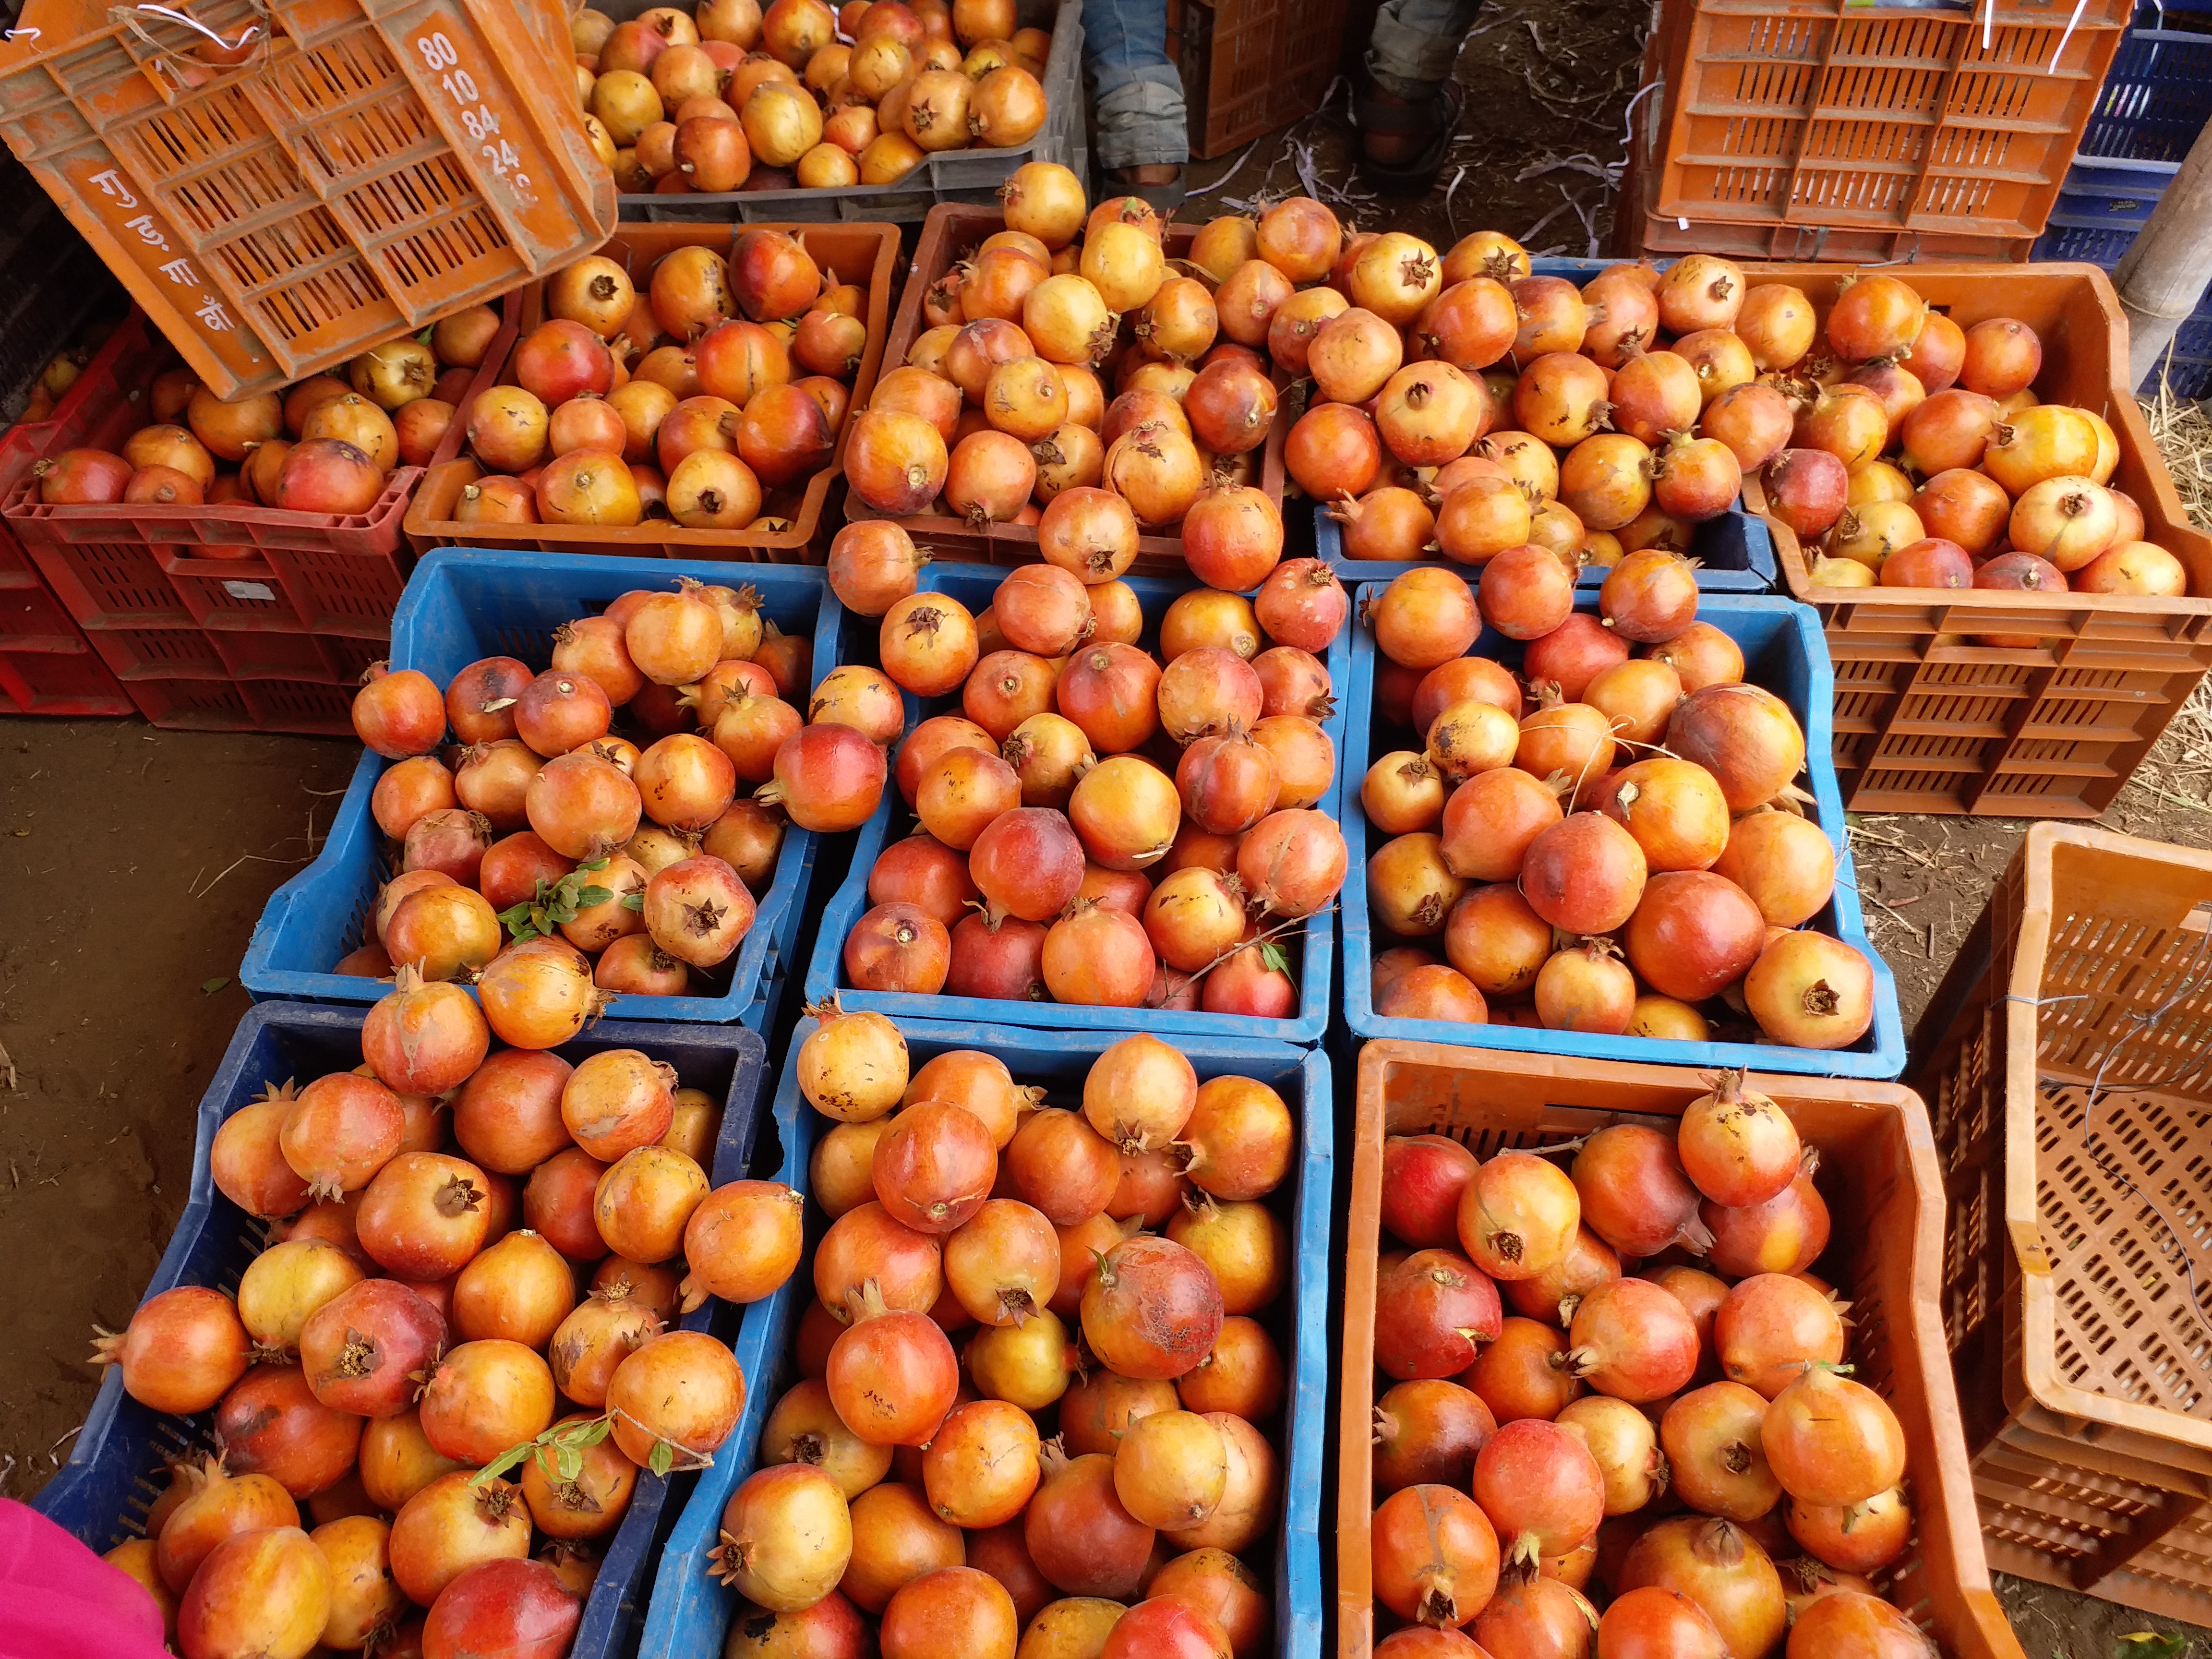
(1311,963)
(463,604)
(690,1611)
(1784,651)
(1734,555)
(116,1465)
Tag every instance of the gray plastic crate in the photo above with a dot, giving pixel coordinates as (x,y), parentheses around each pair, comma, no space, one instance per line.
(956,175)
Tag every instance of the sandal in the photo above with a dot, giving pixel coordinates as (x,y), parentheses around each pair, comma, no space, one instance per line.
(1164,198)
(1375,112)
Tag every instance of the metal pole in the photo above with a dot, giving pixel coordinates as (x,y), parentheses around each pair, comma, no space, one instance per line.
(2163,275)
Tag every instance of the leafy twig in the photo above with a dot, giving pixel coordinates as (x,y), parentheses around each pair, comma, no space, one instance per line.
(559,901)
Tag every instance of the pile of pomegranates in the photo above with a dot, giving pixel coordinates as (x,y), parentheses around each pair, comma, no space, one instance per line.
(553,863)
(729,97)
(60,372)
(1923,459)
(1096,823)
(1610,1382)
(1618,847)
(1467,410)
(459,1344)
(1039,1385)
(327,444)
(708,394)
(1001,406)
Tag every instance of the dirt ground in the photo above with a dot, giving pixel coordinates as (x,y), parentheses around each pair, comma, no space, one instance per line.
(135,862)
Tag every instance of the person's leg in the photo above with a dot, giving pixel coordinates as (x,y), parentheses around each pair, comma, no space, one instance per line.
(1136,95)
(1416,42)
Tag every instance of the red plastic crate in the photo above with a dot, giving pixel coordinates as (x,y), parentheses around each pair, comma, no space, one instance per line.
(32,620)
(328,573)
(193,705)
(65,683)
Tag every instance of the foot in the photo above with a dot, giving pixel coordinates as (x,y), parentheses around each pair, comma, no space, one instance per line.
(1159,183)
(1394,148)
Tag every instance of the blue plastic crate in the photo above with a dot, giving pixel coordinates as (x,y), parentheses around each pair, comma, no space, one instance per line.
(113,1475)
(1736,556)
(973,585)
(1784,651)
(691,1612)
(462,603)
(2156,97)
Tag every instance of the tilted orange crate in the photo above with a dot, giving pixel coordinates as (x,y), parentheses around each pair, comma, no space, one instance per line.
(1838,129)
(350,171)
(866,255)
(1929,721)
(1884,1187)
(2068,1061)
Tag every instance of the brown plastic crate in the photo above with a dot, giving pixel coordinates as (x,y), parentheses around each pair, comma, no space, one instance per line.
(2068,1296)
(1880,1176)
(865,254)
(368,168)
(1926,721)
(1829,130)
(1251,66)
(950,230)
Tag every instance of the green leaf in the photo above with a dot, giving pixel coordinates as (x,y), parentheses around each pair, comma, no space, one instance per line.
(208,987)
(663,1458)
(1271,954)
(567,1462)
(588,896)
(594,864)
(633,902)
(2150,1645)
(590,1434)
(500,1464)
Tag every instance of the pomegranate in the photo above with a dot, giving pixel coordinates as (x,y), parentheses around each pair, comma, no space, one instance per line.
(1541,1488)
(181,1352)
(1720,1568)
(1633,1340)
(1812,990)
(1436,1556)
(1432,1310)
(1736,1144)
(1517,1216)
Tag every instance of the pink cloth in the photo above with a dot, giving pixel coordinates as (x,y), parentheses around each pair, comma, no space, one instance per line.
(59,1601)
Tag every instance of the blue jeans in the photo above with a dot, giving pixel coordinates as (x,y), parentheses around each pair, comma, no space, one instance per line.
(1416,42)
(1136,95)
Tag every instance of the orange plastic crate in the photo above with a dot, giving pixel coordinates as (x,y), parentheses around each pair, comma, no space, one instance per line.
(1828,129)
(365,169)
(2064,1061)
(1927,719)
(1880,1175)
(1251,66)
(866,255)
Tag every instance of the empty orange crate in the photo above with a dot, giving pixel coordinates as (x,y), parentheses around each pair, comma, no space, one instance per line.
(2065,1060)
(1251,66)
(1828,130)
(1926,720)
(357,170)
(866,255)
(1885,1192)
